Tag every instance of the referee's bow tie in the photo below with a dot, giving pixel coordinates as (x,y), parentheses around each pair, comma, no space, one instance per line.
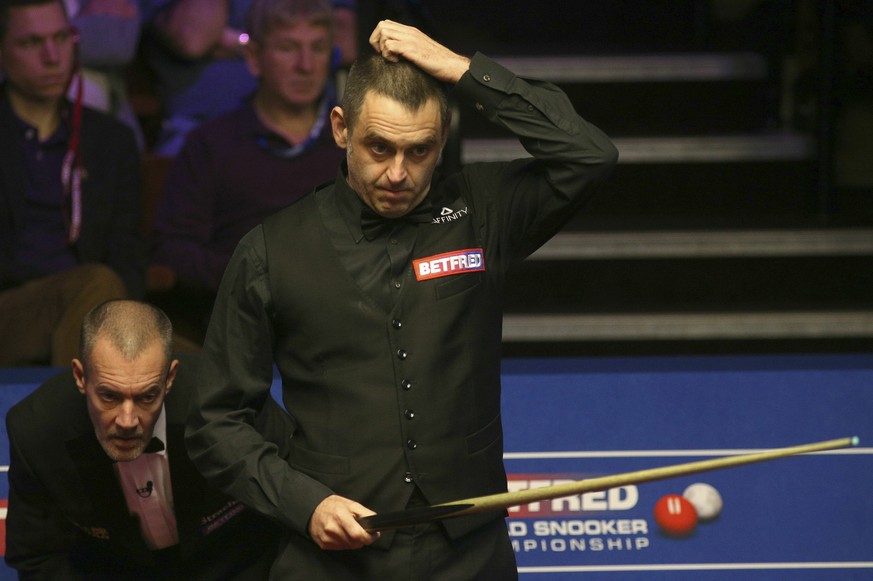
(154,445)
(372,224)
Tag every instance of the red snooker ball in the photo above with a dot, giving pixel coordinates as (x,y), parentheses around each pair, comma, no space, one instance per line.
(675,515)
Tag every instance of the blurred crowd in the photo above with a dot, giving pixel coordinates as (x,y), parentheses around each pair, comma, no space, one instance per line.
(141,139)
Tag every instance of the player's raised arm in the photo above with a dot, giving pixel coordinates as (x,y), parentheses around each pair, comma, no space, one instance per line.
(395,41)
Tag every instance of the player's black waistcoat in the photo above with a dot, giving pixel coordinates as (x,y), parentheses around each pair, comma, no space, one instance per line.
(389,400)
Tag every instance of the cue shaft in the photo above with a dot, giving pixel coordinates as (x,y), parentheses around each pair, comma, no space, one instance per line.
(385,521)
(508,499)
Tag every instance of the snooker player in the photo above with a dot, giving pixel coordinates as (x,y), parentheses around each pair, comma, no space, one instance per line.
(378,297)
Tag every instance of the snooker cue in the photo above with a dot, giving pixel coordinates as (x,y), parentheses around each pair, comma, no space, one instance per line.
(505,500)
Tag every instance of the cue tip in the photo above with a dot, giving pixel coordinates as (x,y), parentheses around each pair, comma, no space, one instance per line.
(856,441)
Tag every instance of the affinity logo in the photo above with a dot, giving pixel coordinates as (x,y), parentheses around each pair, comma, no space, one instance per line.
(449,215)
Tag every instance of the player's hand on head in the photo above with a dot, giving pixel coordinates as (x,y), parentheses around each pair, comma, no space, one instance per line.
(334,525)
(395,41)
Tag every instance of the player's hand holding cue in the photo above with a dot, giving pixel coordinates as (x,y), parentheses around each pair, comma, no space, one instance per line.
(334,525)
(395,41)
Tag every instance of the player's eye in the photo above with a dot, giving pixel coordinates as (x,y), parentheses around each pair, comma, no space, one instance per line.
(107,397)
(148,398)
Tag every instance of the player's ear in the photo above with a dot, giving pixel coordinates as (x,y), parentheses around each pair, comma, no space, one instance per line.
(446,129)
(339,127)
(79,375)
(171,375)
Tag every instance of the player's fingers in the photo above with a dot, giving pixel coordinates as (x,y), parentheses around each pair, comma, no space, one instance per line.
(345,535)
(353,528)
(391,50)
(395,41)
(336,527)
(380,34)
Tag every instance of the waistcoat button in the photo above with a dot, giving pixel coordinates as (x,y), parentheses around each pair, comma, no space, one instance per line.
(409,414)
(396,323)
(406,384)
(401,354)
(411,444)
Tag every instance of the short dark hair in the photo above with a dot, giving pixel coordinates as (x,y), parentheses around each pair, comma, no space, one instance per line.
(401,81)
(264,15)
(131,327)
(6,7)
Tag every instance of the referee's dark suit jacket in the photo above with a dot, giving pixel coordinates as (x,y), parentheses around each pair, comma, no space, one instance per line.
(67,515)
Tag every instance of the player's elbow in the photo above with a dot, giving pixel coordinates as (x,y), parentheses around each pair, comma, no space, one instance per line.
(603,154)
(610,155)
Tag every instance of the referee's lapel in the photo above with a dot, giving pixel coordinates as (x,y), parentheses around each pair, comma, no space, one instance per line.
(189,487)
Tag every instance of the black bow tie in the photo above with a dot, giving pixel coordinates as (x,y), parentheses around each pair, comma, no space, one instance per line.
(372,224)
(154,445)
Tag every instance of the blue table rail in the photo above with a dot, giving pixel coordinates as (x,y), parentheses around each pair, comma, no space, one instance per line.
(800,518)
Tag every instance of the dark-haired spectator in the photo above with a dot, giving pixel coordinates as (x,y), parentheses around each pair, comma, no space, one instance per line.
(70,202)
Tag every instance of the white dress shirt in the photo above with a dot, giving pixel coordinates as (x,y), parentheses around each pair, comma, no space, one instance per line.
(149,493)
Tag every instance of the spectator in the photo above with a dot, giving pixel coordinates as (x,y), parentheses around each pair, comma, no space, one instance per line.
(108,32)
(69,193)
(196,50)
(236,170)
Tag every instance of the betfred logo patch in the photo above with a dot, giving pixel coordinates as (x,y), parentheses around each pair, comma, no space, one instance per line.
(449,263)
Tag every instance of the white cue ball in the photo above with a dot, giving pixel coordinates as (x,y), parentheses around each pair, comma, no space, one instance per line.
(705,499)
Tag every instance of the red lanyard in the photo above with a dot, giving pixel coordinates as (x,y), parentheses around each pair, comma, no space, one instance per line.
(72,168)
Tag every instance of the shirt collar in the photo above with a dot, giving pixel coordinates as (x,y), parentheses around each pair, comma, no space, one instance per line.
(160,431)
(60,137)
(278,145)
(349,204)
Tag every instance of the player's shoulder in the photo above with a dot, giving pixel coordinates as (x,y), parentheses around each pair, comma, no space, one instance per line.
(301,208)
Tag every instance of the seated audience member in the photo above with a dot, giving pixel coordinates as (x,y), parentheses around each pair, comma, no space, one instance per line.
(108,32)
(70,205)
(236,170)
(100,484)
(196,49)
